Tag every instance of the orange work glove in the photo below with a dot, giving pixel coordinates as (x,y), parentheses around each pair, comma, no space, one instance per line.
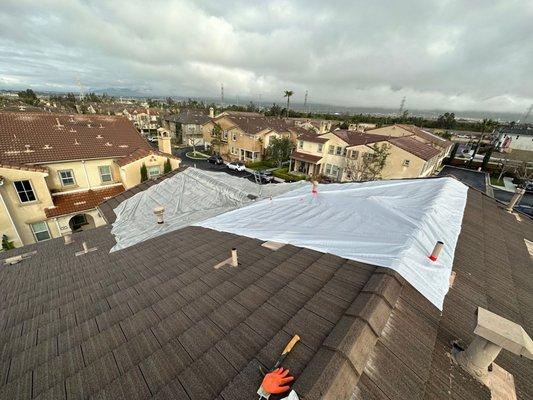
(274,381)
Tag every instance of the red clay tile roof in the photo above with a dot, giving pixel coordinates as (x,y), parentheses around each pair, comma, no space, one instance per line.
(252,124)
(311,137)
(80,201)
(357,138)
(416,147)
(306,157)
(32,138)
(24,167)
(430,137)
(141,153)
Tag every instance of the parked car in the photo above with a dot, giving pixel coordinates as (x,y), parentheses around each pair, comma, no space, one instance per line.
(215,159)
(262,176)
(236,166)
(529,187)
(152,139)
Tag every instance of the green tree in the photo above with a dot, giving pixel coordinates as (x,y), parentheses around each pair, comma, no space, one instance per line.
(367,167)
(288,94)
(6,244)
(279,149)
(486,159)
(144,173)
(453,153)
(167,167)
(28,96)
(485,125)
(446,121)
(216,137)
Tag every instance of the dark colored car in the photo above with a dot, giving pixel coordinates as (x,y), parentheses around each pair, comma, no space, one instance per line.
(262,176)
(215,159)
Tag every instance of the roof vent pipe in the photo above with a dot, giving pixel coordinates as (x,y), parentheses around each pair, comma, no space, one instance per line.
(159,212)
(234,260)
(493,334)
(85,250)
(516,199)
(67,235)
(436,251)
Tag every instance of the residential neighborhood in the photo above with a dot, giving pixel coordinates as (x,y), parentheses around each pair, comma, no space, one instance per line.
(205,200)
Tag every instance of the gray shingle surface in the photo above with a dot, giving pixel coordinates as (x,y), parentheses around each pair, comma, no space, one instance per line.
(157,320)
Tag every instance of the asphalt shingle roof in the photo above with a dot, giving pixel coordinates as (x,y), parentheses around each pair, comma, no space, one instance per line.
(157,319)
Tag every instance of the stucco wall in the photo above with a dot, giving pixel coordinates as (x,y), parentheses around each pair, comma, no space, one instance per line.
(131,173)
(82,170)
(24,214)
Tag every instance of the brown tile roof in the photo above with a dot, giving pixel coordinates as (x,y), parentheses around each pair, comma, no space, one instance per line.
(190,116)
(255,124)
(416,147)
(24,167)
(32,138)
(141,153)
(311,137)
(79,201)
(157,319)
(434,139)
(357,138)
(305,157)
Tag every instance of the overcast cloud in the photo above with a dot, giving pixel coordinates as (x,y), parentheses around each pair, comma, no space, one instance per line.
(457,55)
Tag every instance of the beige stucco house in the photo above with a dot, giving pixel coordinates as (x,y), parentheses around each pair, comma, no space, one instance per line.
(340,155)
(186,126)
(245,136)
(56,168)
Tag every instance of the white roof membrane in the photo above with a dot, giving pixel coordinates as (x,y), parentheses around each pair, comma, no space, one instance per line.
(393,224)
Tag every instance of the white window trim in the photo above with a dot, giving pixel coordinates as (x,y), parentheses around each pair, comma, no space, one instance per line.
(150,176)
(32,189)
(320,147)
(406,163)
(35,233)
(61,179)
(300,144)
(110,173)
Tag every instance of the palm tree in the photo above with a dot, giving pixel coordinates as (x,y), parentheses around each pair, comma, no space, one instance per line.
(288,94)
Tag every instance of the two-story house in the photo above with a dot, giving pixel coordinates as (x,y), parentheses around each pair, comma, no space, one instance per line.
(56,168)
(146,120)
(186,127)
(245,136)
(340,155)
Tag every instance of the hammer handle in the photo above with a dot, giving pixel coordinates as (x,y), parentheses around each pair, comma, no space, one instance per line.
(291,344)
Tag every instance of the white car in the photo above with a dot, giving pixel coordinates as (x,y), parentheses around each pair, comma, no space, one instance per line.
(236,166)
(152,139)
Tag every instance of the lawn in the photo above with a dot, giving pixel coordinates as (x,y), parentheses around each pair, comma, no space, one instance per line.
(260,165)
(495,182)
(196,155)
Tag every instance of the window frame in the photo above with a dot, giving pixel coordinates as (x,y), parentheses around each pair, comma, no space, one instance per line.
(320,147)
(101,174)
(25,191)
(150,176)
(338,151)
(35,233)
(406,163)
(354,154)
(331,149)
(300,144)
(72,177)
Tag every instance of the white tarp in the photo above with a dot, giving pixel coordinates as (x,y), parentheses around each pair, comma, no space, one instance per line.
(188,197)
(393,224)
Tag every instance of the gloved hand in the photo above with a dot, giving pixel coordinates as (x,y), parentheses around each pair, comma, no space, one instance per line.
(274,381)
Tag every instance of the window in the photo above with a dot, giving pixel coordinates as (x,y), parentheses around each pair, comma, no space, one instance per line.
(331,149)
(354,154)
(225,135)
(40,231)
(328,169)
(338,151)
(320,147)
(154,171)
(105,173)
(234,137)
(406,163)
(25,191)
(66,177)
(300,144)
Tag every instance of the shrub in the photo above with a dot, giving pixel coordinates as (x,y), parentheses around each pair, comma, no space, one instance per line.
(258,165)
(144,173)
(167,167)
(283,173)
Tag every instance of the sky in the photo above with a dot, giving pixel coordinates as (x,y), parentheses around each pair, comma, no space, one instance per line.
(442,54)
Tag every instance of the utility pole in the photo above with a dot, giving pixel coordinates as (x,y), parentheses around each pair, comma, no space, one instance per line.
(528,112)
(222,94)
(82,95)
(305,102)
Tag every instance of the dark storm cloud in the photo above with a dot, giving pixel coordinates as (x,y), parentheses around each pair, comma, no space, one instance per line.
(439,54)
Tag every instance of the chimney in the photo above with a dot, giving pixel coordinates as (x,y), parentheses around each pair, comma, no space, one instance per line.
(494,333)
(322,128)
(516,199)
(163,142)
(159,213)
(211,112)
